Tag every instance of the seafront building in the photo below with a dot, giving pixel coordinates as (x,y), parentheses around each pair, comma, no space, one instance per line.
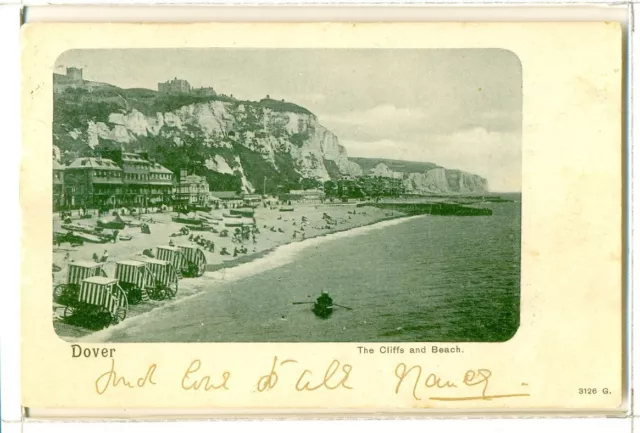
(192,189)
(304,196)
(114,179)
(58,184)
(364,186)
(229,198)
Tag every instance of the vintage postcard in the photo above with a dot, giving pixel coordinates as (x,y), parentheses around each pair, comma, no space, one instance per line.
(389,218)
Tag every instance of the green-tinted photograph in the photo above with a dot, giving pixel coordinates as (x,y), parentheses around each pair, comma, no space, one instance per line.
(287,195)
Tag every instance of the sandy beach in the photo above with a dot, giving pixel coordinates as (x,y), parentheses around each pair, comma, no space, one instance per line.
(276,228)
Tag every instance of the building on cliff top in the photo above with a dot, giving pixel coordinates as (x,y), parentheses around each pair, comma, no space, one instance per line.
(204,91)
(74,80)
(175,87)
(75,74)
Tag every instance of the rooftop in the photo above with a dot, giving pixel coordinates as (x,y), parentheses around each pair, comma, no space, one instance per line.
(155,261)
(307,191)
(225,194)
(100,163)
(157,168)
(130,263)
(134,157)
(85,264)
(100,280)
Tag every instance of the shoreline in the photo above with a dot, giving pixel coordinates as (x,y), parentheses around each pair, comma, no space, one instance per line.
(261,254)
(103,334)
(195,286)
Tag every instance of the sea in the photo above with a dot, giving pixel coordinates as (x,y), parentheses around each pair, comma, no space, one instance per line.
(418,279)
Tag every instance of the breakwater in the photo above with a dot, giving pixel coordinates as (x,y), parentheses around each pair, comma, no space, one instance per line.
(449,209)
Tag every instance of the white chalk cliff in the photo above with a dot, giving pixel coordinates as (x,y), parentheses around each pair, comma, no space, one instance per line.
(246,140)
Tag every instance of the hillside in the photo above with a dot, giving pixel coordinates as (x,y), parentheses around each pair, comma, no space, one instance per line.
(424,177)
(394,164)
(235,144)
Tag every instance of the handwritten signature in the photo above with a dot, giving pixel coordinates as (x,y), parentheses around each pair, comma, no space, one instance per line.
(472,378)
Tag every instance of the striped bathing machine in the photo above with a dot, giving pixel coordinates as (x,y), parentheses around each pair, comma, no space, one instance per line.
(79,271)
(105,294)
(172,255)
(196,257)
(165,277)
(135,278)
(67,293)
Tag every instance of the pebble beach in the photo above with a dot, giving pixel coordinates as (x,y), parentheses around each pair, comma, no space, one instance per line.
(276,228)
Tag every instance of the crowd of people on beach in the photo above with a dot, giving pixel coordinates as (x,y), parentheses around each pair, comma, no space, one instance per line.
(206,244)
(298,228)
(242,234)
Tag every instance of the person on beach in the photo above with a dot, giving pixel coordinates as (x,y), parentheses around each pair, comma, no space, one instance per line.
(105,256)
(115,236)
(171,244)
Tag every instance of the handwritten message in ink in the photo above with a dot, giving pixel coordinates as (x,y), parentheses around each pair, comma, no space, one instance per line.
(416,381)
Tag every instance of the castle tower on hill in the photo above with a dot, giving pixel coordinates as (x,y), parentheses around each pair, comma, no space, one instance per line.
(74,74)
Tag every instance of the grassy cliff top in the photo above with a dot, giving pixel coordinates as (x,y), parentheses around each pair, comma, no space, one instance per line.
(76,106)
(395,164)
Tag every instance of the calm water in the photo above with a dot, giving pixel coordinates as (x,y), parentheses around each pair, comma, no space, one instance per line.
(430,278)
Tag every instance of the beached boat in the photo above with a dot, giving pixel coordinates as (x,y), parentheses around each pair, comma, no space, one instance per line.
(233,224)
(238,222)
(90,238)
(286,209)
(203,208)
(188,221)
(67,237)
(81,228)
(125,237)
(114,223)
(248,213)
(201,228)
(228,215)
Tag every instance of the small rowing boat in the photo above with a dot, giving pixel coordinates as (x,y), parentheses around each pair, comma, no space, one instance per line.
(322,310)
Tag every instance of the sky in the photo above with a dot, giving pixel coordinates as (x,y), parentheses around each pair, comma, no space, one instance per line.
(458,108)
